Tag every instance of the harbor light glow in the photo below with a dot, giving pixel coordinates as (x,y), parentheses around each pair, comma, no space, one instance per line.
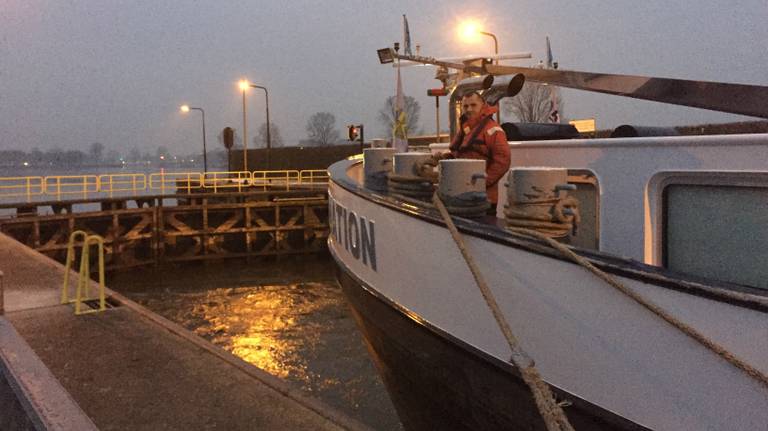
(469,31)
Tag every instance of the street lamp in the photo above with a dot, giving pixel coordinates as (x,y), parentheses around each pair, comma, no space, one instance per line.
(187,108)
(244,86)
(469,31)
(266,95)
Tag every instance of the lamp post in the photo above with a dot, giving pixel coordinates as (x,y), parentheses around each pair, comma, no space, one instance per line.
(495,44)
(266,95)
(187,108)
(244,86)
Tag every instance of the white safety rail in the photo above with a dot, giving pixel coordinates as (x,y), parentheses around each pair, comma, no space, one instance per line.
(62,187)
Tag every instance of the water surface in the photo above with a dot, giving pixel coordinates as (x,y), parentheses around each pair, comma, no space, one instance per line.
(287,317)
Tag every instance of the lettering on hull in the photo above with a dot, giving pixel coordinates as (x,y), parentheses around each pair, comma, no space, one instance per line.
(356,234)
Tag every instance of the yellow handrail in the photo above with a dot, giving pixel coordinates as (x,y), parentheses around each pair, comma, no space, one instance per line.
(21,186)
(313,176)
(58,186)
(226,180)
(180,180)
(265,179)
(84,278)
(110,183)
(71,184)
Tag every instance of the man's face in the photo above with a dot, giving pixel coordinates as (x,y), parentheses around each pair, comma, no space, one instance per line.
(472,105)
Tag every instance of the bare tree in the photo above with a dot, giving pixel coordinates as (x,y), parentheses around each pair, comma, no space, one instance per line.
(387,115)
(321,128)
(260,140)
(533,104)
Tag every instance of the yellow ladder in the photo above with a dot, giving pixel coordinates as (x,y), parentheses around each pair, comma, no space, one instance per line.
(84,279)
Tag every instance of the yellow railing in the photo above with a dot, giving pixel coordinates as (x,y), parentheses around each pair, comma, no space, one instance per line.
(58,187)
(21,186)
(111,183)
(265,179)
(226,180)
(83,288)
(313,176)
(175,181)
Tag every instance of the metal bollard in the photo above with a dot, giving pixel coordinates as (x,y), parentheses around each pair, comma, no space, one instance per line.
(377,163)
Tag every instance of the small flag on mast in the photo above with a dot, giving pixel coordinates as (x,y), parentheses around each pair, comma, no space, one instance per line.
(406,37)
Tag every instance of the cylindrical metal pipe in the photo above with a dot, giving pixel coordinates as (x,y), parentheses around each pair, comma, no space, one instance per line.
(504,86)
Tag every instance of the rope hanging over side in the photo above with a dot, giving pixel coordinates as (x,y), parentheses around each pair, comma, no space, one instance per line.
(655,309)
(551,412)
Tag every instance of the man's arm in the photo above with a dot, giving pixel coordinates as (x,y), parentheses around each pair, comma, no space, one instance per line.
(499,162)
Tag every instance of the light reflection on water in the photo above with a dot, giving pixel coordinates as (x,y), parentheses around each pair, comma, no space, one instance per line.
(264,326)
(289,319)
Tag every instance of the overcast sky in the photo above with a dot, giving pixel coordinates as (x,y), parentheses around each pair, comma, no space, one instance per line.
(115,72)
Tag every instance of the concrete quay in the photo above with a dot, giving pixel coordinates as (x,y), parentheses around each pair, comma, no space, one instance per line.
(127,368)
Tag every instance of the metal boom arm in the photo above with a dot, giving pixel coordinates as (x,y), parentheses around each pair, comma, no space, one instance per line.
(741,99)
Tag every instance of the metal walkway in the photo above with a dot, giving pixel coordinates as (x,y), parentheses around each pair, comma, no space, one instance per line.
(128,368)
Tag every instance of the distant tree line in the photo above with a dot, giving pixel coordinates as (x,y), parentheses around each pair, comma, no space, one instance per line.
(98,156)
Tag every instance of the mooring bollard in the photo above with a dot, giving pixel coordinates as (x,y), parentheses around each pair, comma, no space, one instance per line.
(462,187)
(377,163)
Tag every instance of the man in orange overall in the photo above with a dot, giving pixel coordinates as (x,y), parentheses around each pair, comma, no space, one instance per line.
(480,137)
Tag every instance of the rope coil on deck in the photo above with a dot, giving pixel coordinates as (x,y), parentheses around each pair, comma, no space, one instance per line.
(550,410)
(655,309)
(376,181)
(419,186)
(563,217)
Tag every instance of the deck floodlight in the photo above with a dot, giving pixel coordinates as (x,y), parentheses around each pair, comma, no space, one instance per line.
(386,55)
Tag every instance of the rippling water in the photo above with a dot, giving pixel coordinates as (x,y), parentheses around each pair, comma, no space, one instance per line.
(288,318)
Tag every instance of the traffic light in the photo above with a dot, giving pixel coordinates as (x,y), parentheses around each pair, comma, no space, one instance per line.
(228,135)
(353,132)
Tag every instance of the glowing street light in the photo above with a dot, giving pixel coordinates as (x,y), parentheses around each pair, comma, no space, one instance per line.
(244,84)
(185,109)
(469,31)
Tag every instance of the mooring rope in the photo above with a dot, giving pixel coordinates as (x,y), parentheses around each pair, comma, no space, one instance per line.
(688,330)
(562,219)
(551,412)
